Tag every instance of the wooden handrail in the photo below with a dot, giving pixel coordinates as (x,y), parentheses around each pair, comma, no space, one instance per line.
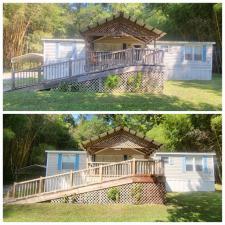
(94,62)
(87,176)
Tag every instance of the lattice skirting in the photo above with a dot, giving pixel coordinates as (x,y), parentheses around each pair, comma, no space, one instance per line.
(134,193)
(151,81)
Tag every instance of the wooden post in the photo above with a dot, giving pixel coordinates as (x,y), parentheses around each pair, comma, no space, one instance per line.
(39,74)
(100,84)
(100,173)
(133,167)
(40,184)
(70,68)
(153,167)
(162,163)
(13,80)
(14,190)
(71,178)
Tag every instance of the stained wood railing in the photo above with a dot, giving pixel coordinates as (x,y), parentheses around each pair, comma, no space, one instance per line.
(95,164)
(94,62)
(92,175)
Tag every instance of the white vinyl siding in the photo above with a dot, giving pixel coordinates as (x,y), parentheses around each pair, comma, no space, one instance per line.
(179,180)
(179,68)
(68,160)
(56,51)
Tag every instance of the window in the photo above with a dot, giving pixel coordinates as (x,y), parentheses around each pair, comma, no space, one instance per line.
(189,163)
(188,53)
(198,164)
(195,53)
(198,53)
(194,163)
(65,50)
(67,162)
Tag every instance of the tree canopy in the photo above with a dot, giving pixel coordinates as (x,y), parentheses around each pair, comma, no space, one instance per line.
(25,24)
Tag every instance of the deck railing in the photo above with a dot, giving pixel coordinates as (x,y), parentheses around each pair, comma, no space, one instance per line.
(95,164)
(92,175)
(94,62)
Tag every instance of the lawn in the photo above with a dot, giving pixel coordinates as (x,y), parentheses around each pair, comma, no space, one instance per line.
(178,95)
(196,207)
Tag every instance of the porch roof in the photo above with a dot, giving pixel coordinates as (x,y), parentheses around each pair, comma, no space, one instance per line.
(121,138)
(123,25)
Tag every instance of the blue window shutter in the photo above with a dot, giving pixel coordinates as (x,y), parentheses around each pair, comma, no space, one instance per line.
(204,53)
(76,162)
(59,161)
(205,164)
(184,164)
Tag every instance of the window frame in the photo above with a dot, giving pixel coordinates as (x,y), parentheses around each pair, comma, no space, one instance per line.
(193,50)
(63,159)
(60,48)
(201,49)
(194,164)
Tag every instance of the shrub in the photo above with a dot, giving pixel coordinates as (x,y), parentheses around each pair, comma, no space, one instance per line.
(136,193)
(138,81)
(74,199)
(134,82)
(112,81)
(113,194)
(65,199)
(67,87)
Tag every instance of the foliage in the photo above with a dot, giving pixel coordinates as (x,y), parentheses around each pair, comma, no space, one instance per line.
(67,87)
(65,199)
(136,193)
(26,24)
(173,132)
(26,137)
(89,128)
(135,81)
(112,81)
(74,198)
(113,194)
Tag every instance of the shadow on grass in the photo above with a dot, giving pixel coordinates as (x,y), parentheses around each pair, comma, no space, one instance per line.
(49,100)
(213,86)
(195,207)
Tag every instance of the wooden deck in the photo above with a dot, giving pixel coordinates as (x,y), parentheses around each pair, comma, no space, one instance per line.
(50,187)
(96,64)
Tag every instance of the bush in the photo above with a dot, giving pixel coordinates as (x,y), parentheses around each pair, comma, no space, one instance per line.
(65,199)
(74,199)
(67,87)
(112,81)
(136,193)
(113,194)
(134,82)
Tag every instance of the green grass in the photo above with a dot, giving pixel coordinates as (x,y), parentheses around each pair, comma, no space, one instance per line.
(178,95)
(195,207)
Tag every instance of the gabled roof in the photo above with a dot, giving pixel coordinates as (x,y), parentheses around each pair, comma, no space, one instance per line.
(123,25)
(122,138)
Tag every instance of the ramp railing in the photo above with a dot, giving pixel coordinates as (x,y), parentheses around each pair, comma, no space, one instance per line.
(92,175)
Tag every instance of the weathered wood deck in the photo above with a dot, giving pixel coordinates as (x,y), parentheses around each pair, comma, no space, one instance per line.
(50,187)
(95,65)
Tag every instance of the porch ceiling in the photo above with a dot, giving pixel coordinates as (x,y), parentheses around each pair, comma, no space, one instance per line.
(122,25)
(120,138)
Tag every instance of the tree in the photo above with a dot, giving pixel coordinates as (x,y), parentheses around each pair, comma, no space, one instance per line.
(26,137)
